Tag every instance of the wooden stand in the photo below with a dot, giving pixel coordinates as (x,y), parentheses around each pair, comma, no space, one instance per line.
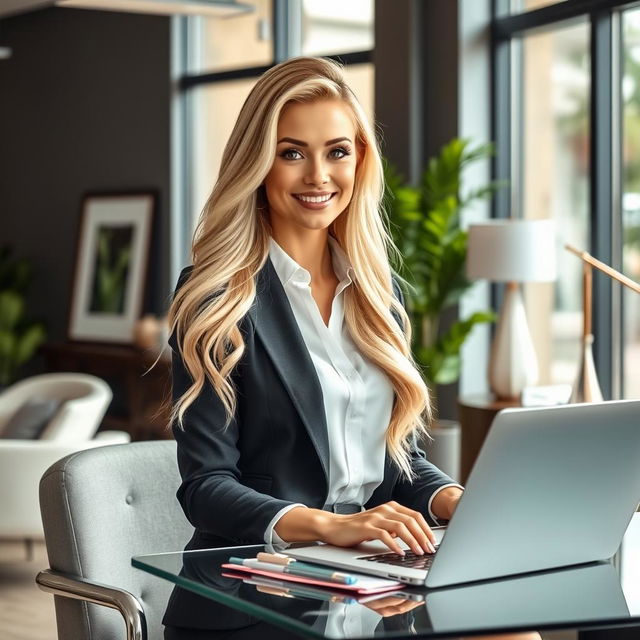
(476,413)
(126,369)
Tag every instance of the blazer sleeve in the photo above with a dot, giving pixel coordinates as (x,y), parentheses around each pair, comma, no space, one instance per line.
(212,495)
(428,478)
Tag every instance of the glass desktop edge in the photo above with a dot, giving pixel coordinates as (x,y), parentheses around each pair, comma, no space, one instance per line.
(264,614)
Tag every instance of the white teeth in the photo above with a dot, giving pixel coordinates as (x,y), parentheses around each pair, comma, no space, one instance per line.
(314,198)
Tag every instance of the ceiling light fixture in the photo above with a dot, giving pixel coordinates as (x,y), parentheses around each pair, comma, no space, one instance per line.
(215,8)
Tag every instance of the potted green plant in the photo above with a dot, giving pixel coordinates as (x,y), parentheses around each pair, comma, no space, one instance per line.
(426,227)
(19,337)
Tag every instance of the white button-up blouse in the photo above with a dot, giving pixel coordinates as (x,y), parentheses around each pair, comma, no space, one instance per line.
(358,396)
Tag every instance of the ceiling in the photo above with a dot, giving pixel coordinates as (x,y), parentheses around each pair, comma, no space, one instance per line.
(9,7)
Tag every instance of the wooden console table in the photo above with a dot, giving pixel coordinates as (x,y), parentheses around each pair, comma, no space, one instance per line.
(124,368)
(476,413)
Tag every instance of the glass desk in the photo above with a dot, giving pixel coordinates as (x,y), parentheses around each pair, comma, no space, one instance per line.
(604,596)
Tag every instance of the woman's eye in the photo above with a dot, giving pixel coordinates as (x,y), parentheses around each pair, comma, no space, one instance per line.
(289,154)
(341,150)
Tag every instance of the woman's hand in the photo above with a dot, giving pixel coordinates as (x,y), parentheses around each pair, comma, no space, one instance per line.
(389,606)
(386,522)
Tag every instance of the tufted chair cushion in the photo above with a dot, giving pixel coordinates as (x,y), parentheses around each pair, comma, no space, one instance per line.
(100,507)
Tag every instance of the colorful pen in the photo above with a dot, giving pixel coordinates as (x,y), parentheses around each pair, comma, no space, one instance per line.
(317,573)
(280,558)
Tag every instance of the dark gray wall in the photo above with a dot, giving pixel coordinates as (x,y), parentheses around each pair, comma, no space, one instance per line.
(416,96)
(416,79)
(84,106)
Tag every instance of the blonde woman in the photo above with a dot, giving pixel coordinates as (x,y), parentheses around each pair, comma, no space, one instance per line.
(296,401)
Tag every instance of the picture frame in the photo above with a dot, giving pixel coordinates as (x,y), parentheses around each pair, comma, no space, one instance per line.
(111,267)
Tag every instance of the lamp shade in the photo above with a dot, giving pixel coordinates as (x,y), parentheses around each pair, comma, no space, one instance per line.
(512,251)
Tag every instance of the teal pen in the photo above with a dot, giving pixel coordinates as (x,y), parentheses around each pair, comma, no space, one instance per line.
(316,573)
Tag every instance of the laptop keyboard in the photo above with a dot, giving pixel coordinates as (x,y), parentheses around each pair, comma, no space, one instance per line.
(410,560)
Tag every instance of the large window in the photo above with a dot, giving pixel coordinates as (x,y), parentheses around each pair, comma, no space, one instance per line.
(631,199)
(226,56)
(567,126)
(554,129)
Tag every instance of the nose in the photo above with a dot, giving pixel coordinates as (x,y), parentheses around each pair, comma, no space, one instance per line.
(317,172)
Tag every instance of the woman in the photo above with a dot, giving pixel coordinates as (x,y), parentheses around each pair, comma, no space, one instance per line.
(296,402)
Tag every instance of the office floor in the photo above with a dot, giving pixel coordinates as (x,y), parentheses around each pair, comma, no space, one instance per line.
(26,613)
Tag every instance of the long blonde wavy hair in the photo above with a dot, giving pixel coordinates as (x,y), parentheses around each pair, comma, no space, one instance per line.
(231,245)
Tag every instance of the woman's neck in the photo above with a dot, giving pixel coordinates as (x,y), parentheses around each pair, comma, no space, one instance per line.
(311,251)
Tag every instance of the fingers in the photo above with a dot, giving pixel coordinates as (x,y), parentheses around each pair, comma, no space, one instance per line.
(391,606)
(385,536)
(419,519)
(405,532)
(416,532)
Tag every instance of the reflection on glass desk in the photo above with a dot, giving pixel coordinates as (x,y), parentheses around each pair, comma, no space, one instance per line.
(600,595)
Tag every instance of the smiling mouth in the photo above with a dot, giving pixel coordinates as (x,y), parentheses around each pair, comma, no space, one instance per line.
(313,199)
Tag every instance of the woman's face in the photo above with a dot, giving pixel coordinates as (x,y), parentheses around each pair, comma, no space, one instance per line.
(311,180)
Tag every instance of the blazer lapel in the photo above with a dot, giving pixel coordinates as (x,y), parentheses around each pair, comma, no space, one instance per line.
(278,330)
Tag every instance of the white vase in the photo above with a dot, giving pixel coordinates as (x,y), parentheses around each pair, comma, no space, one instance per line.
(513,364)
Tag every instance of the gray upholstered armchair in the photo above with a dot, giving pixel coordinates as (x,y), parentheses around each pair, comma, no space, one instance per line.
(99,508)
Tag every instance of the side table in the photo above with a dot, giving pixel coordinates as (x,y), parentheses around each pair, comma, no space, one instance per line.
(476,413)
(125,368)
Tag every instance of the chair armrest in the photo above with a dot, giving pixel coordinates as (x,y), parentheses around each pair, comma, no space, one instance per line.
(61,584)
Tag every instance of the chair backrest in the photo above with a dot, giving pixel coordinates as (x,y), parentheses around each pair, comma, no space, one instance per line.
(100,507)
(85,400)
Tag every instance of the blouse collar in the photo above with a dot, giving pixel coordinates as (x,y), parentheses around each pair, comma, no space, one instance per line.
(288,269)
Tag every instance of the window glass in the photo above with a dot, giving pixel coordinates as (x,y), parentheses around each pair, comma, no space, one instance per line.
(519,6)
(336,26)
(555,168)
(631,201)
(216,108)
(243,40)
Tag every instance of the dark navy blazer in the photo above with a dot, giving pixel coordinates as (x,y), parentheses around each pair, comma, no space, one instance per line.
(275,451)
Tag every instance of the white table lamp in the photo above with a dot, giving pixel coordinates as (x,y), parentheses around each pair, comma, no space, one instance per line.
(512,251)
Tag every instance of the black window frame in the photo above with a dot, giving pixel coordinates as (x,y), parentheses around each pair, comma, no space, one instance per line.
(605,179)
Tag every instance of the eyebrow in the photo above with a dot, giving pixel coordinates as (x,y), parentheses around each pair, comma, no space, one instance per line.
(301,143)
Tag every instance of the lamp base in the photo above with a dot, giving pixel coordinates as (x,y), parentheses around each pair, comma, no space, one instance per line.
(513,365)
(587,387)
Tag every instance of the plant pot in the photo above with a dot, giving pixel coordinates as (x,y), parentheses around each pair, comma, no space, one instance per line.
(444,449)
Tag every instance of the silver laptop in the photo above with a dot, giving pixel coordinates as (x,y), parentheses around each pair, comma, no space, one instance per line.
(551,487)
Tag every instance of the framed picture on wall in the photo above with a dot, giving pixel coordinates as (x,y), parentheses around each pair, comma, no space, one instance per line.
(111,266)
